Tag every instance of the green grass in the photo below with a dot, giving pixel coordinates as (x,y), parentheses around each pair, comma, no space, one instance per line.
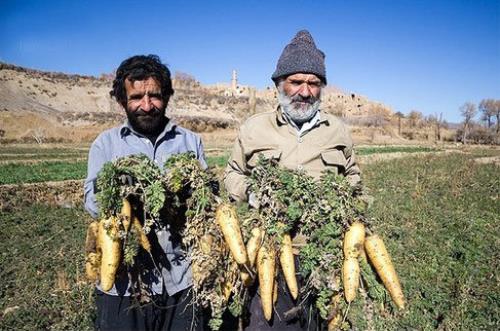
(393,149)
(41,270)
(439,217)
(16,173)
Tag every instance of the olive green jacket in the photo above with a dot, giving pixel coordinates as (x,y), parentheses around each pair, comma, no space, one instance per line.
(327,145)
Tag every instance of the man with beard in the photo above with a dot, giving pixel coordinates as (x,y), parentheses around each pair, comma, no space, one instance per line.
(298,135)
(143,87)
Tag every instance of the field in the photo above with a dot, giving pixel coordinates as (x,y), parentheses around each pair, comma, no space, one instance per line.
(438,212)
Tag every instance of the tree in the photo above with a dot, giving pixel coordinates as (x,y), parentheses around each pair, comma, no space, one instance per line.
(437,122)
(468,111)
(415,118)
(487,108)
(399,115)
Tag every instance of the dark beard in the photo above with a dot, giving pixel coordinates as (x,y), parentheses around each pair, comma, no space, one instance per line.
(147,123)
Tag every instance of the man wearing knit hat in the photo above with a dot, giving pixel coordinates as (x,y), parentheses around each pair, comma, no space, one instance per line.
(298,135)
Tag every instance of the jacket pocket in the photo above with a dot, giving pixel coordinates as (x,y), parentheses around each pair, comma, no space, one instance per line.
(268,154)
(334,158)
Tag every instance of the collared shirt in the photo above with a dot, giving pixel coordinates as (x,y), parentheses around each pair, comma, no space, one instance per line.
(326,144)
(123,141)
(305,126)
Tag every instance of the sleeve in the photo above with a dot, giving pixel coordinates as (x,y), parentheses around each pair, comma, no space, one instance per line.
(236,171)
(95,162)
(200,152)
(352,171)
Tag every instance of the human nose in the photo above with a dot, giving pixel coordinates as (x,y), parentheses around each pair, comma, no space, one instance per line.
(304,90)
(146,104)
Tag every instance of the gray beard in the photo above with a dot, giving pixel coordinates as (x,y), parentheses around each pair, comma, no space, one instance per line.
(299,113)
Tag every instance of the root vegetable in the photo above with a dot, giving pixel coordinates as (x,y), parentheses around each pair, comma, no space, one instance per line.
(91,238)
(126,212)
(110,247)
(92,264)
(143,238)
(288,265)
(228,222)
(336,316)
(381,260)
(266,269)
(252,247)
(354,240)
(206,243)
(92,260)
(350,277)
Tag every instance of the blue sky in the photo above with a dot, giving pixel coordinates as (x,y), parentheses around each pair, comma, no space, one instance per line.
(430,56)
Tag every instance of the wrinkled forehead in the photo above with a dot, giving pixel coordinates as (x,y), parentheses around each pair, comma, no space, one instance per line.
(145,85)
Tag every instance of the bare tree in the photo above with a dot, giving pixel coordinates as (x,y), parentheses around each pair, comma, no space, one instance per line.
(487,108)
(496,111)
(415,118)
(399,115)
(468,111)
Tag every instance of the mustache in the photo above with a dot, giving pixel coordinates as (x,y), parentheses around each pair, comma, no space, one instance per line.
(298,98)
(154,112)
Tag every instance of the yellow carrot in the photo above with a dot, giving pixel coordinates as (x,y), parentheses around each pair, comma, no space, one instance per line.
(252,248)
(143,238)
(381,260)
(266,268)
(206,242)
(253,245)
(275,293)
(288,265)
(92,264)
(353,246)
(336,315)
(92,260)
(126,213)
(354,240)
(110,246)
(228,222)
(350,277)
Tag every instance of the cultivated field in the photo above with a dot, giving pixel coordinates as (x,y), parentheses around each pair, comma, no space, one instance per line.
(438,210)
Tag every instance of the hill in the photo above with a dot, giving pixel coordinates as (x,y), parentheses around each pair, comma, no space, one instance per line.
(51,106)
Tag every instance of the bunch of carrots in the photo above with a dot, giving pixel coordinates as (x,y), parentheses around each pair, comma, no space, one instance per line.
(104,245)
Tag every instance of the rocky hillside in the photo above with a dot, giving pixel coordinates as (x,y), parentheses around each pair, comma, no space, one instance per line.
(48,106)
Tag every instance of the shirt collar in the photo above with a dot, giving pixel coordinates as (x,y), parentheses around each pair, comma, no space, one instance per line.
(281,119)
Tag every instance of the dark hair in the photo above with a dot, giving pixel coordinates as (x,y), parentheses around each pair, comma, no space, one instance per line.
(140,67)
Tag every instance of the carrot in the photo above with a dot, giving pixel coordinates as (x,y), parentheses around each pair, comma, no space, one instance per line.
(265,269)
(91,238)
(228,222)
(110,247)
(143,238)
(92,264)
(206,243)
(92,260)
(288,265)
(381,260)
(252,247)
(126,212)
(350,277)
(354,240)
(353,246)
(336,316)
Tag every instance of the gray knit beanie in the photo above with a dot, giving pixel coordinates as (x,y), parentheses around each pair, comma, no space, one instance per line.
(301,56)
